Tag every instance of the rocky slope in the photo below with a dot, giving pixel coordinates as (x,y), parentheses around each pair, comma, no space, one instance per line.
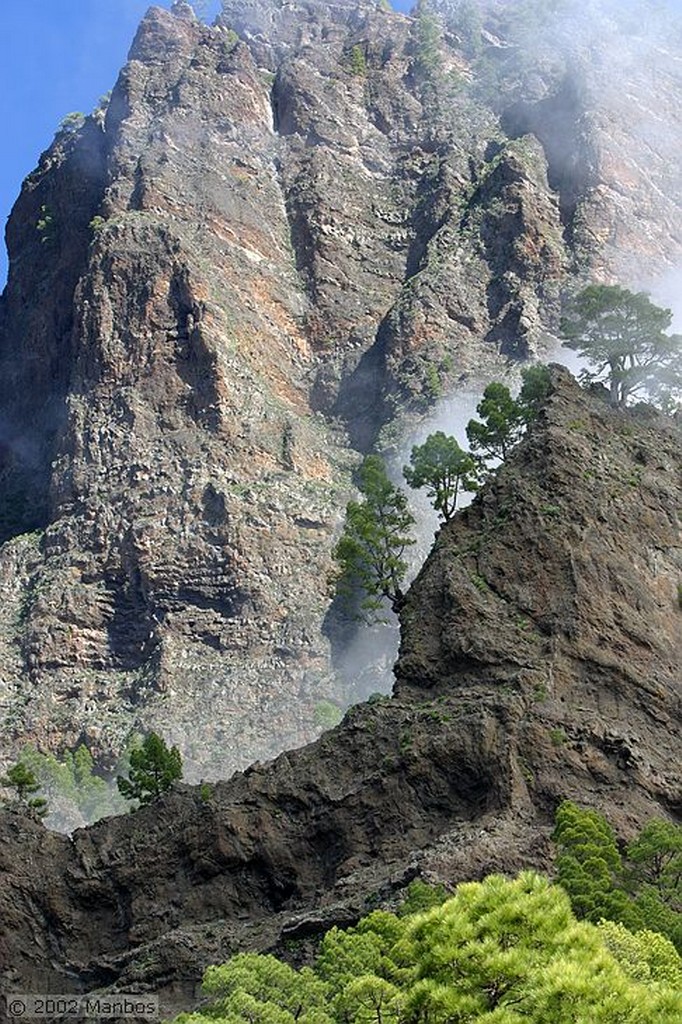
(282,232)
(540,660)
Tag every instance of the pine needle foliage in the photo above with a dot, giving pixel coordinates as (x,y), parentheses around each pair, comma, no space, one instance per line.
(499,951)
(376,535)
(444,469)
(622,334)
(23,781)
(153,769)
(641,888)
(504,419)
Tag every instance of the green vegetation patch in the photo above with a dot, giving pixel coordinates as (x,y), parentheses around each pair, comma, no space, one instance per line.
(499,951)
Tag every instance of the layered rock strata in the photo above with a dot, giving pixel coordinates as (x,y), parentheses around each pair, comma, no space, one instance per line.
(280,233)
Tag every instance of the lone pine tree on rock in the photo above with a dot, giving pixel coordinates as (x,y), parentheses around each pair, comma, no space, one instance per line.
(20,778)
(622,334)
(501,426)
(504,419)
(153,769)
(376,534)
(445,469)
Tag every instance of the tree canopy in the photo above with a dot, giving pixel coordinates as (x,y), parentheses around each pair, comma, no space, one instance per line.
(428,59)
(535,387)
(75,790)
(153,769)
(503,418)
(622,334)
(20,778)
(501,426)
(376,535)
(444,469)
(500,951)
(641,888)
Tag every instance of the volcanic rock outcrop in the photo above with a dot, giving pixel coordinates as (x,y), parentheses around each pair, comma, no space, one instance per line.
(540,660)
(278,234)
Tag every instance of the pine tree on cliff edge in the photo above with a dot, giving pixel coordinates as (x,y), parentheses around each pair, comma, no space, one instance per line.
(622,334)
(376,533)
(153,769)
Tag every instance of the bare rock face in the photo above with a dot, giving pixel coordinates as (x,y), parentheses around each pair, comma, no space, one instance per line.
(284,231)
(540,661)
(189,472)
(541,586)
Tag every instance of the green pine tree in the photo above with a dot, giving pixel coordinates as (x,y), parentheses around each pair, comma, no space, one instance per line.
(622,334)
(501,426)
(20,778)
(444,469)
(153,769)
(375,537)
(500,951)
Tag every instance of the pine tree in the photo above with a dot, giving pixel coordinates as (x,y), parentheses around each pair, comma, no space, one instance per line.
(428,57)
(376,534)
(23,780)
(153,769)
(642,889)
(622,334)
(444,469)
(504,419)
(501,426)
(507,951)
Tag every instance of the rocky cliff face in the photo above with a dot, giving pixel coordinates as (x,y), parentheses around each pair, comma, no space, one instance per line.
(540,658)
(284,231)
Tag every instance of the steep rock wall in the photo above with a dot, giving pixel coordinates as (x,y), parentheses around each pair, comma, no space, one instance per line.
(269,246)
(548,610)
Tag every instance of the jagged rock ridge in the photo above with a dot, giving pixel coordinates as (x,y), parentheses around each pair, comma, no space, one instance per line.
(540,658)
(279,223)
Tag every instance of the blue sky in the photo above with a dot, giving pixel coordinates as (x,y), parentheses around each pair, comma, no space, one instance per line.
(58,56)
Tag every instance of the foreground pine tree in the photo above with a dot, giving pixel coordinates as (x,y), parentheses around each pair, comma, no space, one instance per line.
(501,951)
